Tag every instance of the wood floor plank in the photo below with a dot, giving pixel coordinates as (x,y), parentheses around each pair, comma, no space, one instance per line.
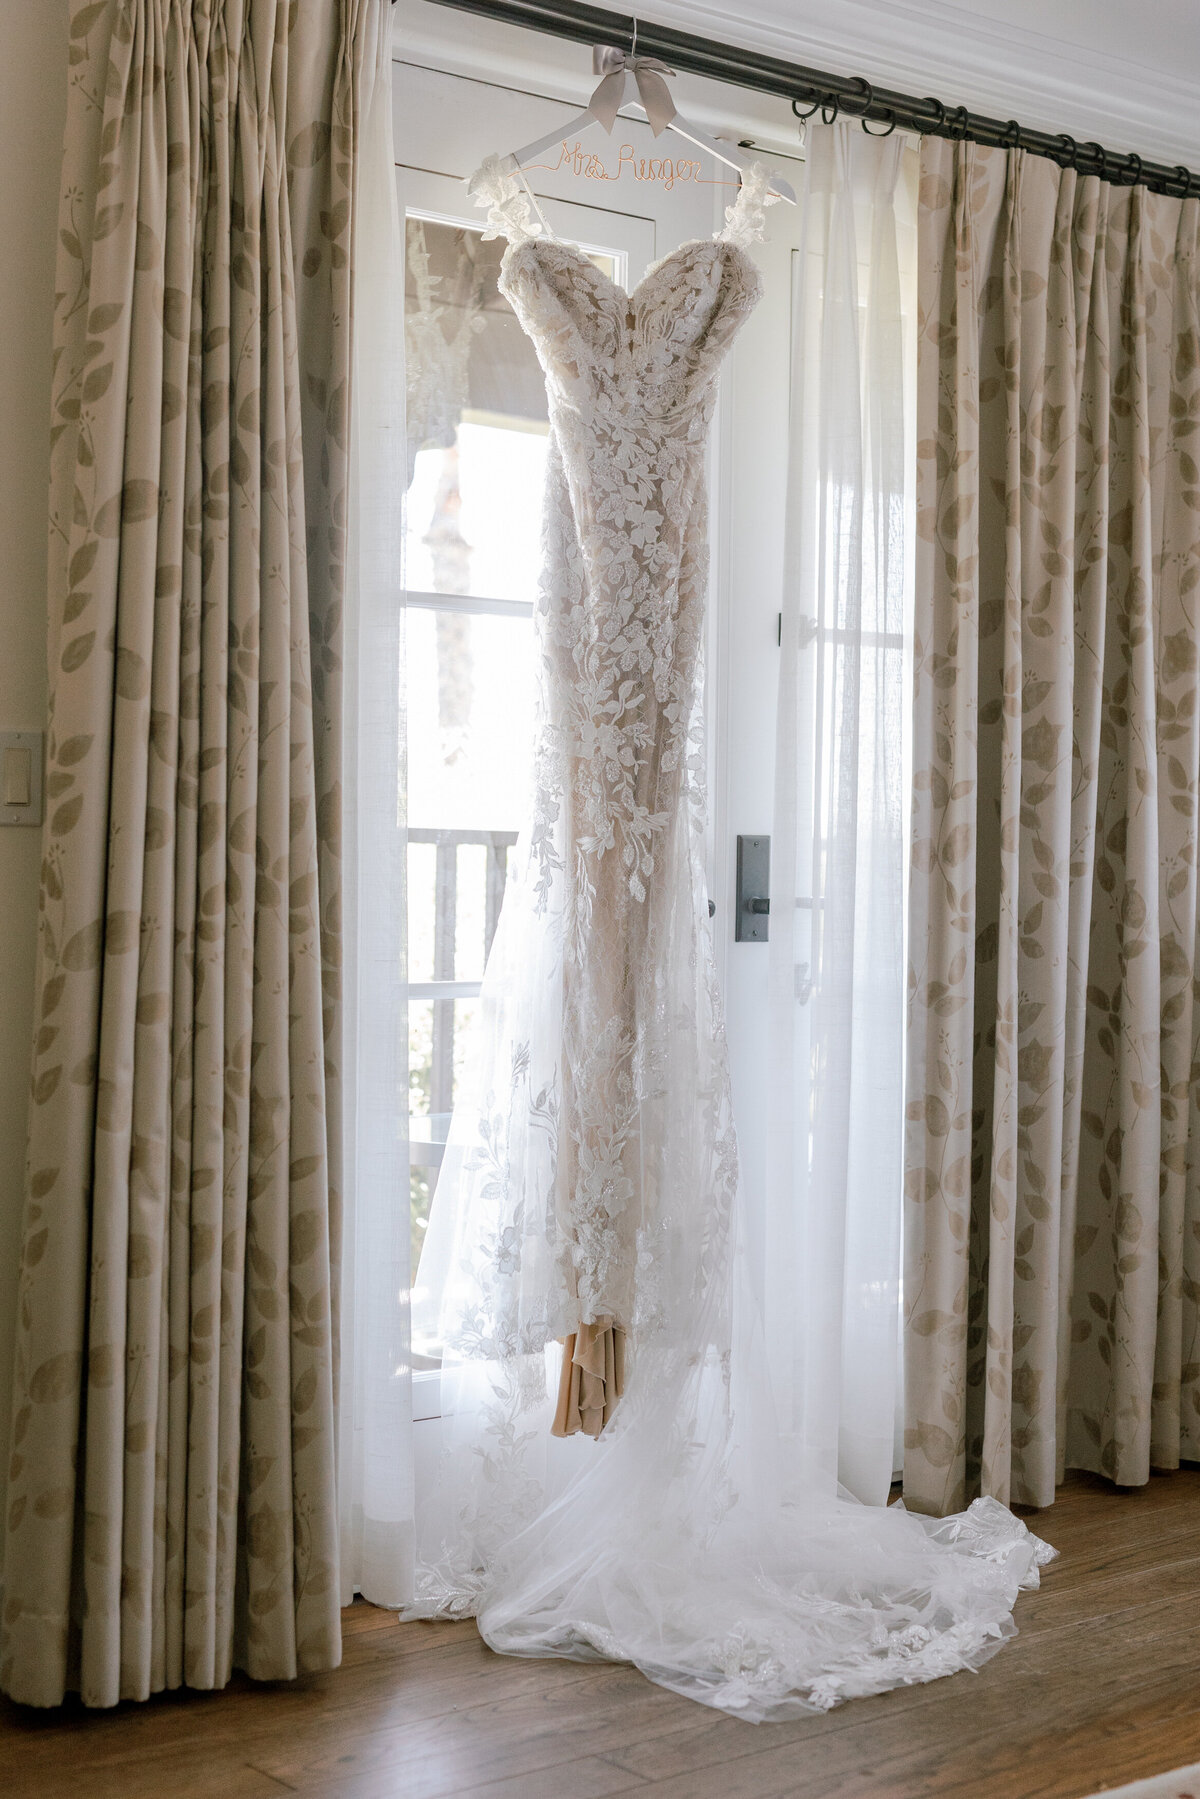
(588,1778)
(224,1777)
(516,1738)
(1101,1686)
(1106,1596)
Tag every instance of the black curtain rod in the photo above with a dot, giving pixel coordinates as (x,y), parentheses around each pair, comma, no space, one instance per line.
(810,90)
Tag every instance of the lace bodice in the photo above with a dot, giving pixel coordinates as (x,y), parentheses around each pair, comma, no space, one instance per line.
(650,356)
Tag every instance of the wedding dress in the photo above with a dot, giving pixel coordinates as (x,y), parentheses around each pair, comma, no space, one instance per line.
(589,1188)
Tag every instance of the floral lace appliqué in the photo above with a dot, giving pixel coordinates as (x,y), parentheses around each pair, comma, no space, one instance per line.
(510,213)
(746,219)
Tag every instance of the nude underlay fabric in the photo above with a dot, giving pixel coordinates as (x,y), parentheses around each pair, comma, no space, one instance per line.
(592,1379)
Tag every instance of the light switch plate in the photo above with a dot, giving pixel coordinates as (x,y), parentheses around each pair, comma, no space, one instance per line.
(30,744)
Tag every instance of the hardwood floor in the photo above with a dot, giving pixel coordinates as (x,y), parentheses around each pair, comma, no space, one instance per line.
(1101,1686)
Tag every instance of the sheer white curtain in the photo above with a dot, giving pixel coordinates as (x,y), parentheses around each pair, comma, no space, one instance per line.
(836,1005)
(376,1484)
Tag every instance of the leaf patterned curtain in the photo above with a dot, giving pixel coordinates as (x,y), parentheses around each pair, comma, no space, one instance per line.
(171,1503)
(1053,1160)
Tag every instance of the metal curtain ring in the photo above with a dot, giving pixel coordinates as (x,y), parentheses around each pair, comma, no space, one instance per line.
(1133,169)
(867,92)
(937,124)
(891,126)
(1010,137)
(1101,155)
(805,115)
(957,124)
(1072,151)
(1185,176)
(830,107)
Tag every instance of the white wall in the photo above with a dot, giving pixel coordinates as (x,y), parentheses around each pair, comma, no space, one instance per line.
(33,91)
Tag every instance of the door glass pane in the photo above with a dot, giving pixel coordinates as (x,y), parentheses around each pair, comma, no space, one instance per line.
(477,421)
(470,703)
(456,883)
(437,1036)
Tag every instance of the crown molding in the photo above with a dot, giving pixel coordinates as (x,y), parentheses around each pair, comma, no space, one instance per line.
(995,66)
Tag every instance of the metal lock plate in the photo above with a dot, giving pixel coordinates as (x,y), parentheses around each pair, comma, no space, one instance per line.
(753,889)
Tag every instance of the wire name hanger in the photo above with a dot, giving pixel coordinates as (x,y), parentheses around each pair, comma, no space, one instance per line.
(617,68)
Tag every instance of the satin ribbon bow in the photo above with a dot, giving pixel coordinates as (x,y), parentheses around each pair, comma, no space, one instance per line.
(614,65)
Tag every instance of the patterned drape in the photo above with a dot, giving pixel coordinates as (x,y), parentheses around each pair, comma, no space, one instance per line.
(1053,1162)
(171,1501)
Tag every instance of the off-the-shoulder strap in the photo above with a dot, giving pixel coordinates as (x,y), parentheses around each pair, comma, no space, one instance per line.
(510,208)
(746,219)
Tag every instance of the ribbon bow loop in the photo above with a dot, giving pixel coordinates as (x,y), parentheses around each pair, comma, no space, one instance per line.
(614,66)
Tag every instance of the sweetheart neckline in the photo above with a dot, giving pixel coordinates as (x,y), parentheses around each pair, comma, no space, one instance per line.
(629,295)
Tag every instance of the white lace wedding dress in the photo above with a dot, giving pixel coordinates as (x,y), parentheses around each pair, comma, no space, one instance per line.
(589,1188)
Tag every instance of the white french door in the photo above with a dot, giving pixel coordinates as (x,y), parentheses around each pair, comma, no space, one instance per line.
(750,470)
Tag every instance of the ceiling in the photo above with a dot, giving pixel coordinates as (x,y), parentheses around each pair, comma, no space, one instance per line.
(1126,75)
